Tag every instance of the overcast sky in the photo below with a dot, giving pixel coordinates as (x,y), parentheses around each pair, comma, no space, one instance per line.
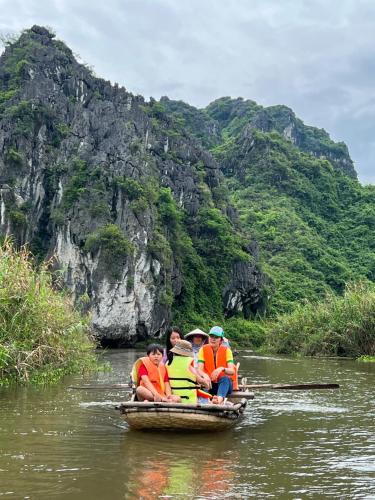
(317,57)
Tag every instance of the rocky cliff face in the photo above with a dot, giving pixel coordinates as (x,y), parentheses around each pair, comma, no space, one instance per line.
(230,117)
(107,183)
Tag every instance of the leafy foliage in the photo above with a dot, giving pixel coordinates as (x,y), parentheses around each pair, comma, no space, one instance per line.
(113,245)
(131,187)
(338,326)
(42,338)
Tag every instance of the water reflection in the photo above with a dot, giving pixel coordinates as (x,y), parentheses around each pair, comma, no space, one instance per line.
(184,466)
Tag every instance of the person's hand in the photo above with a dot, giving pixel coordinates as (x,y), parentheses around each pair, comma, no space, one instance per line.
(216,373)
(206,382)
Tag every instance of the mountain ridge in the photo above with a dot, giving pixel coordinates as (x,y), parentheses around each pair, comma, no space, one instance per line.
(158,210)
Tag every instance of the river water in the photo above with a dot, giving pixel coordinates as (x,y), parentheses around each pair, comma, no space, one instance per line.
(58,442)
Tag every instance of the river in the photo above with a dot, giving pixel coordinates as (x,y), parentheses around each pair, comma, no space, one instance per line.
(58,442)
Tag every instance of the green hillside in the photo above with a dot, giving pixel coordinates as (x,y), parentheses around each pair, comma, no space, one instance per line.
(297,195)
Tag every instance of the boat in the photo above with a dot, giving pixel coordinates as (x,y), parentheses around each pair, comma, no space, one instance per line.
(153,416)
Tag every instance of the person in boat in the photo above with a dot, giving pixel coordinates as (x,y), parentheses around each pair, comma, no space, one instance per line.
(197,338)
(184,377)
(216,360)
(172,335)
(152,377)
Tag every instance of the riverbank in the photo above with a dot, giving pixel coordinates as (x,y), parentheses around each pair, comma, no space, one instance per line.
(42,337)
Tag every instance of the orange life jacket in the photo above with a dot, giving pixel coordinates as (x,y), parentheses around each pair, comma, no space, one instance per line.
(156,375)
(221,360)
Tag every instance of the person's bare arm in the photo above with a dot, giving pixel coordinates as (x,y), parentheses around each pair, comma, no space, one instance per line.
(200,368)
(202,378)
(229,370)
(167,389)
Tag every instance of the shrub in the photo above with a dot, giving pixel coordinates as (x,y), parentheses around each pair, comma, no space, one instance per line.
(63,129)
(135,147)
(131,187)
(58,217)
(6,95)
(99,208)
(14,157)
(24,116)
(245,333)
(17,218)
(114,247)
(338,326)
(42,337)
(76,185)
(139,206)
(159,248)
(167,209)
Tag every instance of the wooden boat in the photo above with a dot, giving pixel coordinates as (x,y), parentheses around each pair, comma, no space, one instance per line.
(179,416)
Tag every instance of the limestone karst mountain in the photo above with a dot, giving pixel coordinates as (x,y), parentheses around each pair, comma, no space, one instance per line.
(157,209)
(128,202)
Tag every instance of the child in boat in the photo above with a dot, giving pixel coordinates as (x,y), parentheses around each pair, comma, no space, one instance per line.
(197,338)
(152,377)
(172,335)
(184,378)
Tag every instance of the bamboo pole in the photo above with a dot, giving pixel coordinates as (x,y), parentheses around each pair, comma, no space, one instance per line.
(102,387)
(289,386)
(125,387)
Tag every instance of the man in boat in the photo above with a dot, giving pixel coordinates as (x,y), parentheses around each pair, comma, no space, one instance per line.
(184,378)
(216,360)
(152,377)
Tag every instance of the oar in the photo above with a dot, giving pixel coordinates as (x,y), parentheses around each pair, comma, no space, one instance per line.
(298,387)
(125,387)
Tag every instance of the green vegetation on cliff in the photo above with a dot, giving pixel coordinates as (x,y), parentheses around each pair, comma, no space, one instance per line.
(42,338)
(297,197)
(313,224)
(204,247)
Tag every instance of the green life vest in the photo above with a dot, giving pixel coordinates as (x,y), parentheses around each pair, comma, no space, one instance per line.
(183,382)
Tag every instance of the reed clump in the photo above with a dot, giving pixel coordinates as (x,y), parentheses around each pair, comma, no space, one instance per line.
(339,326)
(42,337)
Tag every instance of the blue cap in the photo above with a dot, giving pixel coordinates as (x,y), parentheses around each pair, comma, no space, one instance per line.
(217,331)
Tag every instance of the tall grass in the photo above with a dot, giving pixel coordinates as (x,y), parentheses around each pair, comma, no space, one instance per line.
(339,326)
(42,337)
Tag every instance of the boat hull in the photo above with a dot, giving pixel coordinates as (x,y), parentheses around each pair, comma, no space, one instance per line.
(180,417)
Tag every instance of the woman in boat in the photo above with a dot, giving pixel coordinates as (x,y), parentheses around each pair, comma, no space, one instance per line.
(184,378)
(216,360)
(197,338)
(172,335)
(152,377)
